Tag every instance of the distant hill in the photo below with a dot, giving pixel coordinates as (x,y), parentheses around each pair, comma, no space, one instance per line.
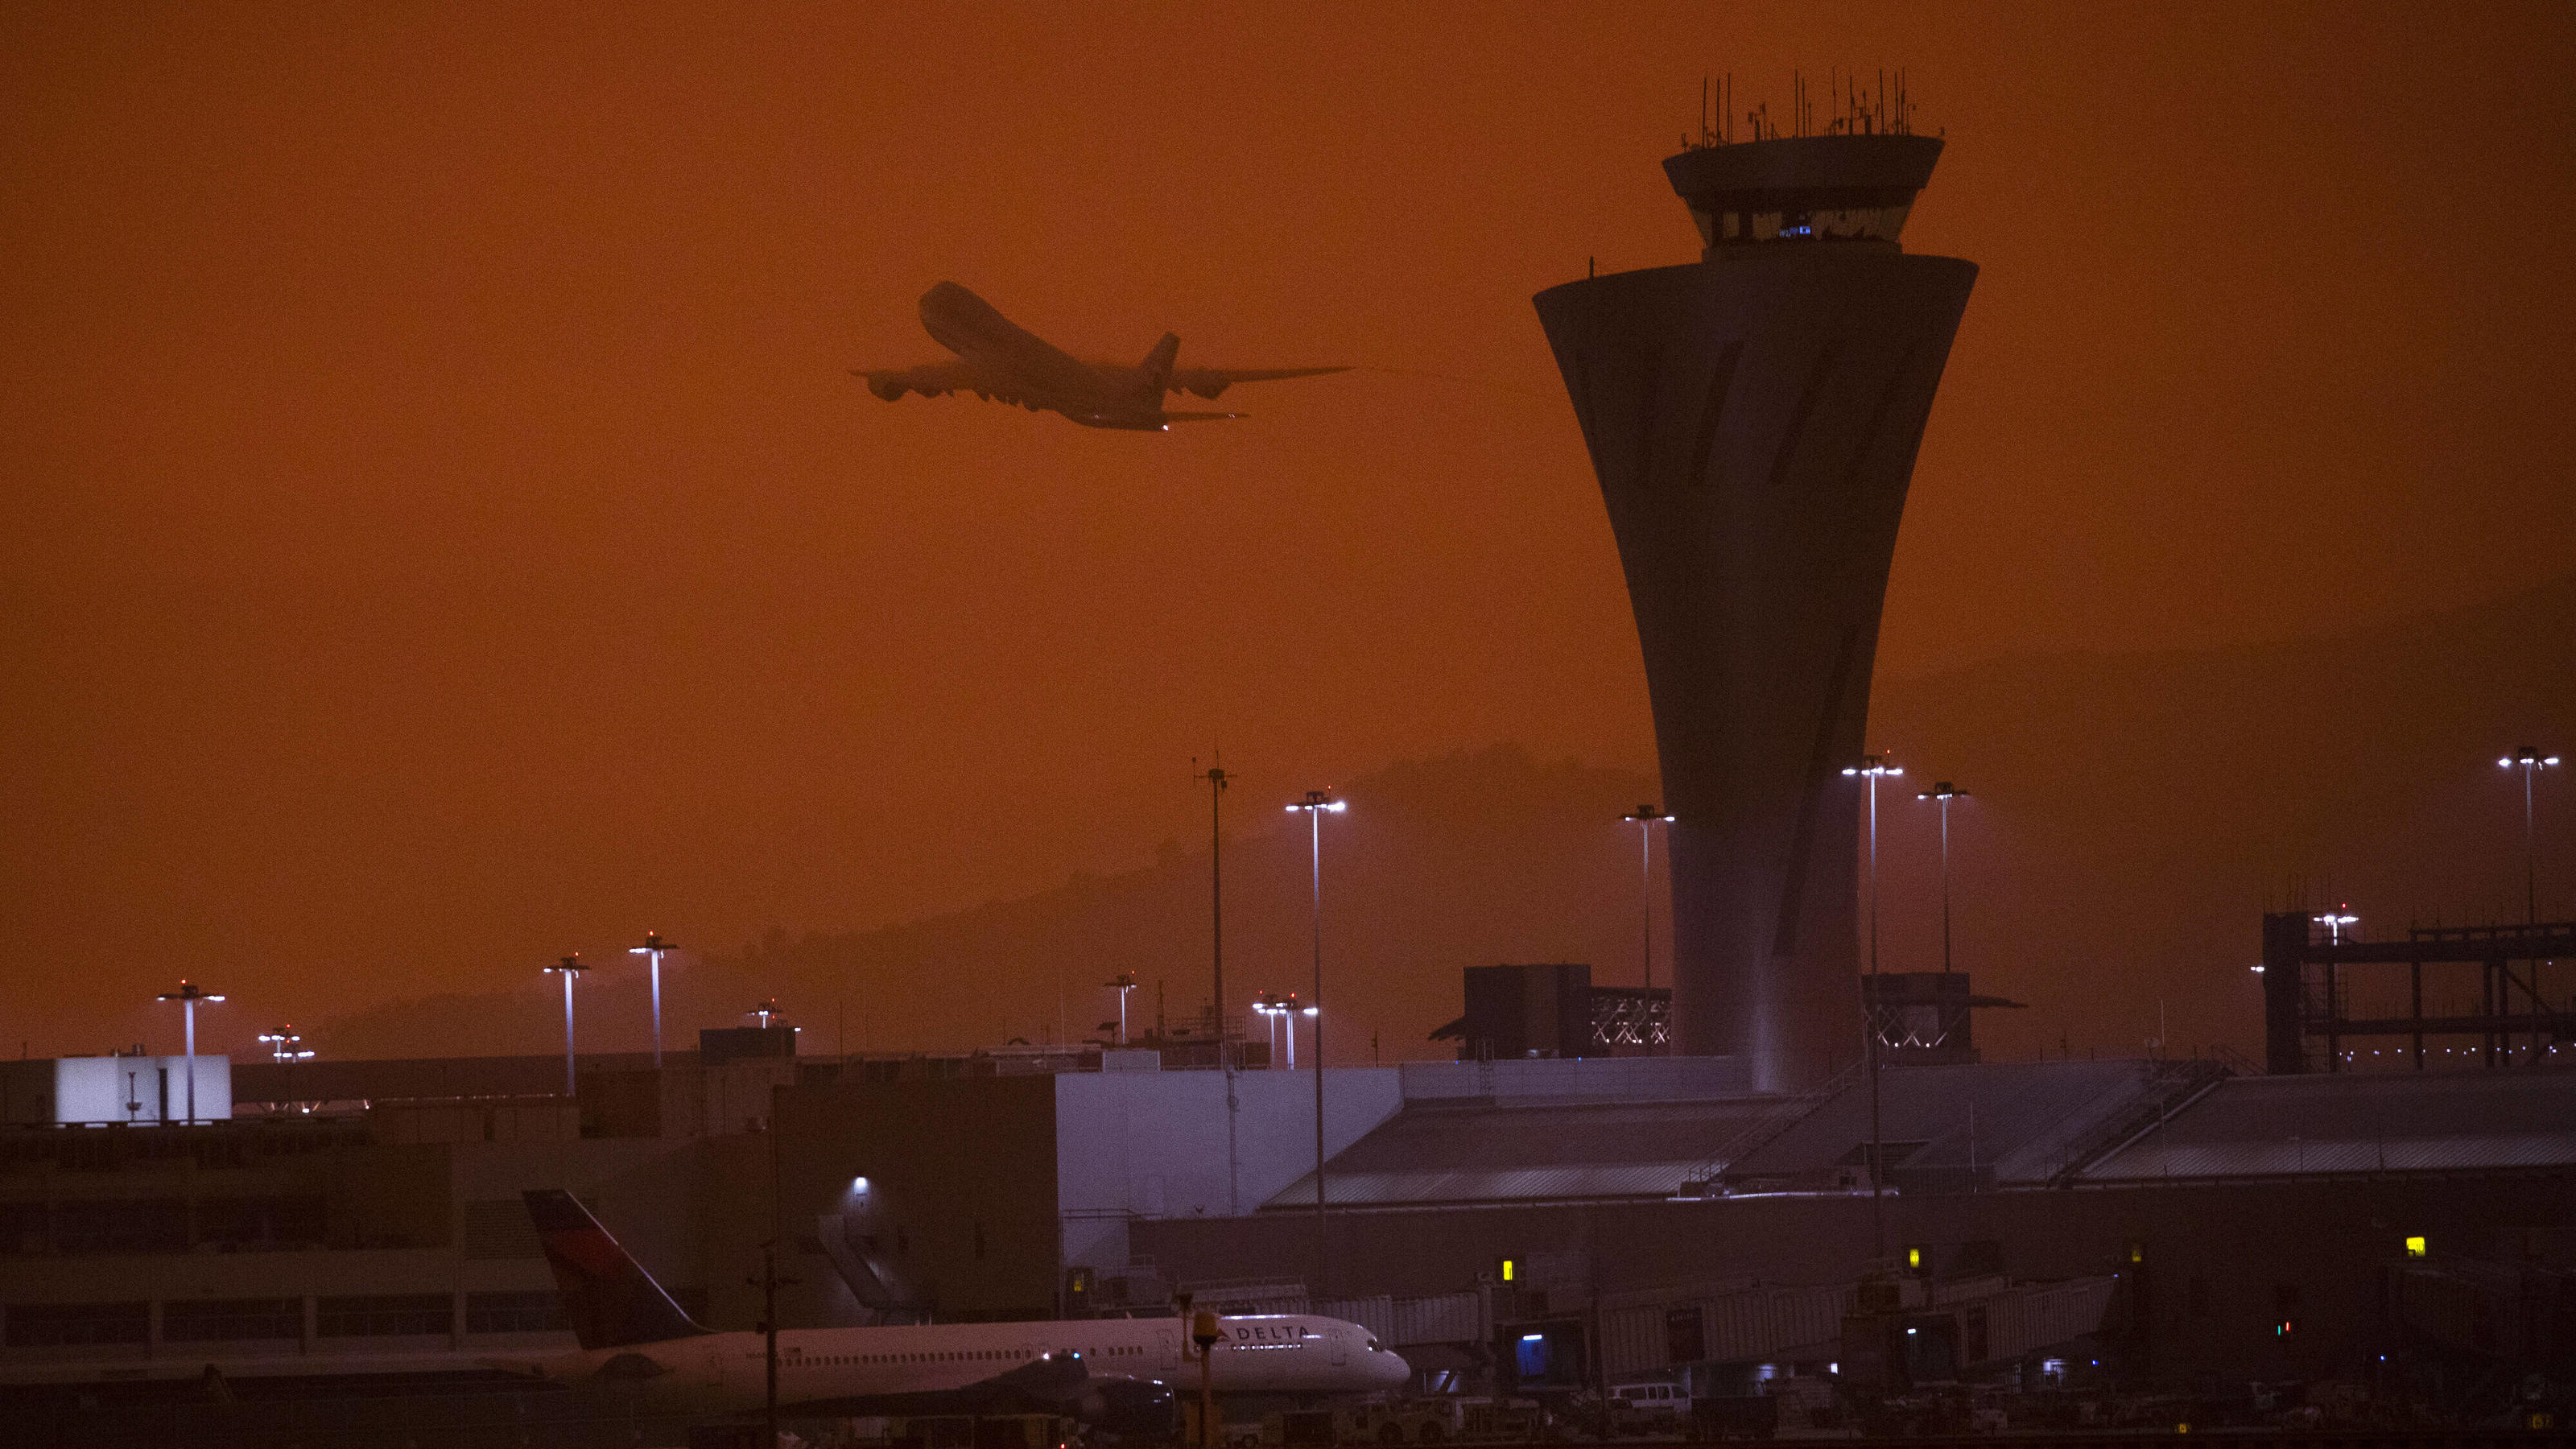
(2131,815)
(2135,813)
(1475,857)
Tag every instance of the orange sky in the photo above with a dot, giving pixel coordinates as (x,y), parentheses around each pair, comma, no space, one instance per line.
(440,531)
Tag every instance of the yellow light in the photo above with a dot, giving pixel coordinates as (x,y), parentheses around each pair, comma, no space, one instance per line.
(2415,1247)
(1914,1257)
(1507,1270)
(2137,1252)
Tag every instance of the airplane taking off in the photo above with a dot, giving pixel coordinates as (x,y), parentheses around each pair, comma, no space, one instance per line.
(997,360)
(1117,1374)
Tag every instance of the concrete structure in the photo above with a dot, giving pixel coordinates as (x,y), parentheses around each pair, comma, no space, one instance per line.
(97,1091)
(976,1198)
(2189,1225)
(1555,1010)
(1753,421)
(1651,1206)
(1926,1018)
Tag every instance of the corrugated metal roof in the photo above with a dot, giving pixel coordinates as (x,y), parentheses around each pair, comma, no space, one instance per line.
(1441,1153)
(2019,1119)
(1531,1184)
(2286,1126)
(2021,1122)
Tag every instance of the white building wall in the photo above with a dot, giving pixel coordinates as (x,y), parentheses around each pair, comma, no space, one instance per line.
(1153,1144)
(129,1089)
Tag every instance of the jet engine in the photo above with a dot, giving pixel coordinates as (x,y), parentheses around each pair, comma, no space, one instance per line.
(1130,1409)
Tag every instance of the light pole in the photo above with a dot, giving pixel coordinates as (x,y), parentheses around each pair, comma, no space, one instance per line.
(188,995)
(2532,762)
(1646,818)
(1289,1011)
(1874,768)
(1267,1007)
(2334,921)
(569,967)
(285,1044)
(1216,779)
(1316,805)
(652,950)
(1122,983)
(1945,792)
(285,1047)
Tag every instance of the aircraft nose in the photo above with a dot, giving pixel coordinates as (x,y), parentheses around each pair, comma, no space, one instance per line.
(1390,1369)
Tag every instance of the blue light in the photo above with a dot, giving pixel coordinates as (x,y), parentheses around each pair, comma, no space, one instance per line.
(1533,1338)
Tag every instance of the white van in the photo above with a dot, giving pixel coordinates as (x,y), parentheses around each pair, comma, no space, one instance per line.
(1653,1399)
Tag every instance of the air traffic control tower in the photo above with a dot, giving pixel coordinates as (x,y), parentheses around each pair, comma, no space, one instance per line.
(1753,421)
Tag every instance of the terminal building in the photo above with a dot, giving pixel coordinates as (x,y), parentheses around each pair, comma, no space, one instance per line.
(1534,1222)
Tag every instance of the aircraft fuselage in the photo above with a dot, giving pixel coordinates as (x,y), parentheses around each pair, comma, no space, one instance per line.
(1019,360)
(1070,1367)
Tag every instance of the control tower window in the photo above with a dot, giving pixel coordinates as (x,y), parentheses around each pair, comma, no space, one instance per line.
(1739,227)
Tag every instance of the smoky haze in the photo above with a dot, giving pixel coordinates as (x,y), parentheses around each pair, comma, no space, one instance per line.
(441,531)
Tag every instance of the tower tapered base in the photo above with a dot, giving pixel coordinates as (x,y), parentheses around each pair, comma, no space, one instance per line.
(1753,421)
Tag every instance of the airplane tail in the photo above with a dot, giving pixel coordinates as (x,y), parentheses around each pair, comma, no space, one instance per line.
(1158,366)
(608,1297)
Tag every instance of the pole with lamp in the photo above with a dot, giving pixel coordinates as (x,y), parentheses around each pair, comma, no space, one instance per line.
(1317,805)
(1205,1333)
(1646,818)
(769,1282)
(285,1047)
(2334,921)
(1874,768)
(1216,779)
(568,968)
(1944,792)
(652,950)
(1122,983)
(285,1044)
(1266,1006)
(2532,762)
(188,996)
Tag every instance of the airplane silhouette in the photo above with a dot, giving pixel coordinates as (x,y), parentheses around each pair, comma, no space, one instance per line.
(999,361)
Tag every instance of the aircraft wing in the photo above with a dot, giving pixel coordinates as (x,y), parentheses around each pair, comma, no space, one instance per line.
(931,379)
(1209,381)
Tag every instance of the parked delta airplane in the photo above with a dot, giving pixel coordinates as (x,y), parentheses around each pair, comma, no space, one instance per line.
(1118,1374)
(998,360)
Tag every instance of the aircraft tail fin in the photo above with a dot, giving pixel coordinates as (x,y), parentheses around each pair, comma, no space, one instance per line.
(1158,365)
(610,1301)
